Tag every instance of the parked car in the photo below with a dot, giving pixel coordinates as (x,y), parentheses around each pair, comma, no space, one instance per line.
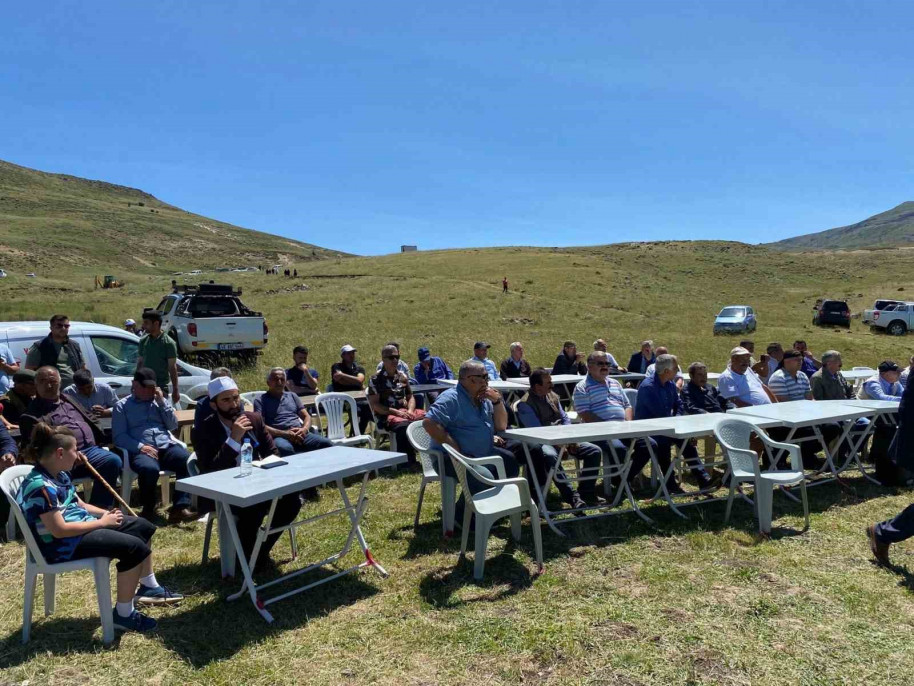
(110,353)
(869,316)
(834,312)
(895,321)
(2,274)
(31,275)
(195,272)
(735,319)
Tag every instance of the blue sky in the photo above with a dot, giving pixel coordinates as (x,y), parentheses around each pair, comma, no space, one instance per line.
(361,126)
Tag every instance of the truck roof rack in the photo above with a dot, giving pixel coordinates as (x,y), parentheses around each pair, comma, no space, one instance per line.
(206,289)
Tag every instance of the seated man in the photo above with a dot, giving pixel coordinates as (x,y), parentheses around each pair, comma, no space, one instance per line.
(286,419)
(55,409)
(97,399)
(467,417)
(130,327)
(760,367)
(392,400)
(700,397)
(829,383)
(17,399)
(141,425)
(740,385)
(569,361)
(300,378)
(884,385)
(218,445)
(402,367)
(541,407)
(600,346)
(348,375)
(775,355)
(649,372)
(8,453)
(481,355)
(642,359)
(430,370)
(205,408)
(658,398)
(515,366)
(810,363)
(788,382)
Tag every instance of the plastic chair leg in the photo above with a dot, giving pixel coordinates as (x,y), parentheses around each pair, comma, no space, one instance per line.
(11,527)
(515,526)
(419,506)
(448,503)
(467,520)
(293,544)
(31,579)
(50,593)
(805,505)
(764,497)
(537,535)
(482,539)
(165,487)
(730,499)
(103,590)
(210,520)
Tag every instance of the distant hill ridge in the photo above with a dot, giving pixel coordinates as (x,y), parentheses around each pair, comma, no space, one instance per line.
(47,218)
(887,229)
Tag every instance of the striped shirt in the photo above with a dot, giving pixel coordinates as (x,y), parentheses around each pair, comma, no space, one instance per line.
(782,384)
(605,399)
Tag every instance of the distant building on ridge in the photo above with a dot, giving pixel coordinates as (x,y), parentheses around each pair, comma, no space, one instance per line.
(409,248)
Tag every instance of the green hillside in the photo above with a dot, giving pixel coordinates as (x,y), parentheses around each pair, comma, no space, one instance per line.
(92,226)
(892,228)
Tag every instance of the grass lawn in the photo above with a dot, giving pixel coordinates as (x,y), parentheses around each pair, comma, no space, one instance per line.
(620,602)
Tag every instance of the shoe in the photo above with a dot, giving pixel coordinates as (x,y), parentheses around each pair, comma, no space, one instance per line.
(152,516)
(880,550)
(310,495)
(593,499)
(710,483)
(137,621)
(181,515)
(578,505)
(675,489)
(156,596)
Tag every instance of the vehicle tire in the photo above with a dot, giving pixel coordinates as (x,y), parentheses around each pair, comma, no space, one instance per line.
(896,329)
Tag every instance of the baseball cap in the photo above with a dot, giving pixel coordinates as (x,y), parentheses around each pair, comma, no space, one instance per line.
(888,366)
(424,354)
(145,376)
(347,349)
(739,350)
(129,322)
(24,376)
(481,344)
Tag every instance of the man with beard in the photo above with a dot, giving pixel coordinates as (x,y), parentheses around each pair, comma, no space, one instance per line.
(218,444)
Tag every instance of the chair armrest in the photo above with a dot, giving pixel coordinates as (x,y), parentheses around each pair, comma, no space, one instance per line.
(794,450)
(494,460)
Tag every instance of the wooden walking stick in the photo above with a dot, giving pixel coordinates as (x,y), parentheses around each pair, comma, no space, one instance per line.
(99,479)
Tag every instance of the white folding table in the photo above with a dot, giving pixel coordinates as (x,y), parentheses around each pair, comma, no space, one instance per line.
(227,488)
(579,433)
(557,380)
(886,409)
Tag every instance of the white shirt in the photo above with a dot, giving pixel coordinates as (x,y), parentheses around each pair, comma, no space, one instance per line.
(745,387)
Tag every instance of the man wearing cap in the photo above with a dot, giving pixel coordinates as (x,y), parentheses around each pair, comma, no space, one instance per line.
(8,367)
(218,444)
(301,379)
(429,370)
(57,350)
(51,407)
(159,352)
(884,385)
(286,419)
(515,366)
(141,424)
(740,385)
(348,375)
(481,355)
(18,397)
(130,326)
(788,382)
(97,399)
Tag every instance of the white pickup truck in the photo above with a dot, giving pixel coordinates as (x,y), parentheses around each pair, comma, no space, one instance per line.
(896,319)
(870,316)
(210,320)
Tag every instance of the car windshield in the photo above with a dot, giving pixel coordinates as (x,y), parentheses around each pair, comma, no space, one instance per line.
(733,312)
(834,306)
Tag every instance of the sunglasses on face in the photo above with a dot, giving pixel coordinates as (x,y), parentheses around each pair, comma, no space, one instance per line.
(392,357)
(478,376)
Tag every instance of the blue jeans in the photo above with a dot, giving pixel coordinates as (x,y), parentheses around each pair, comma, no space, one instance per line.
(312,441)
(172,459)
(109,467)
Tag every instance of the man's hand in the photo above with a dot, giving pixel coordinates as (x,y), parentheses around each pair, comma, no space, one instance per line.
(240,427)
(150,451)
(159,397)
(499,441)
(7,460)
(807,353)
(112,518)
(175,396)
(297,435)
(491,394)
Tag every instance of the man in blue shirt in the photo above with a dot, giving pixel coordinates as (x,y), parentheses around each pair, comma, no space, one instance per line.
(884,385)
(141,424)
(430,368)
(97,399)
(658,397)
(481,355)
(286,419)
(810,364)
(8,367)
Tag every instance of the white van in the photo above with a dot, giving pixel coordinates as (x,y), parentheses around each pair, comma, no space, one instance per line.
(110,354)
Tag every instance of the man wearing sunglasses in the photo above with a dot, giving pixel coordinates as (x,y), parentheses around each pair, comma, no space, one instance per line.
(58,351)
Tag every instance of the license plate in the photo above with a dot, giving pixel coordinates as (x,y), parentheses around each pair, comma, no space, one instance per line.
(230,346)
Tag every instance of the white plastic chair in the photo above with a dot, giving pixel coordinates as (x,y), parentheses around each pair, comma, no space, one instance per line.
(185,402)
(35,564)
(632,395)
(503,498)
(333,405)
(380,432)
(432,462)
(251,396)
(733,436)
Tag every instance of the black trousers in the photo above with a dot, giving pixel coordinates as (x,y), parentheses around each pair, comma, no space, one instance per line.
(128,543)
(249,519)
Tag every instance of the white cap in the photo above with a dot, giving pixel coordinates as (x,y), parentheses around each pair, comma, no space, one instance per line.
(129,322)
(739,350)
(220,385)
(347,349)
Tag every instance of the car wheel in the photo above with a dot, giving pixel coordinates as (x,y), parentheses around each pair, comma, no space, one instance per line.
(896,329)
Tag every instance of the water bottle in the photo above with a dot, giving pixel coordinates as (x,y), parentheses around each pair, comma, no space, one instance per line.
(245,466)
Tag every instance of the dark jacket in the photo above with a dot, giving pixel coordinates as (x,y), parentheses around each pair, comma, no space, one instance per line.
(34,414)
(634,362)
(509,371)
(568,365)
(14,406)
(48,353)
(7,444)
(901,451)
(698,400)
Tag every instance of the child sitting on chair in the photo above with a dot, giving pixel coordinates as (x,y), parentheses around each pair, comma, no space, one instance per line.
(66,528)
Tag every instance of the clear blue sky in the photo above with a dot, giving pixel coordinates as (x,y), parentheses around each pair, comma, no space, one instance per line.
(361,126)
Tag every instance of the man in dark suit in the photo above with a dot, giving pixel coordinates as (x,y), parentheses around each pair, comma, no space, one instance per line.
(218,443)
(644,358)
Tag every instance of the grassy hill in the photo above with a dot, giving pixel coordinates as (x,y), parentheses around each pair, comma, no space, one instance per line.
(892,228)
(47,220)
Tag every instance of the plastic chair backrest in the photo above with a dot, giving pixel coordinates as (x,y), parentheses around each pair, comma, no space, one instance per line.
(461,466)
(10,481)
(422,442)
(735,433)
(192,468)
(185,402)
(251,396)
(333,405)
(632,395)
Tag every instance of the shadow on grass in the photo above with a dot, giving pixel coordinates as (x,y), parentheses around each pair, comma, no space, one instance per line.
(504,576)
(202,633)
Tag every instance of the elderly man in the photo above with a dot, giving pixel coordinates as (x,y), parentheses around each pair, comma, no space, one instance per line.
(141,426)
(641,360)
(58,351)
(467,417)
(97,399)
(775,353)
(348,375)
(810,363)
(515,366)
(658,397)
(884,385)
(159,352)
(829,383)
(301,379)
(541,407)
(51,407)
(740,385)
(401,364)
(286,419)
(218,445)
(130,327)
(430,369)
(17,399)
(700,397)
(788,382)
(599,345)
(392,400)
(569,361)
(481,355)
(678,379)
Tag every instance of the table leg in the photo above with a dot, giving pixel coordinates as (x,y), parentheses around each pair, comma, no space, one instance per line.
(355,531)
(655,469)
(248,584)
(623,480)
(541,492)
(856,446)
(226,546)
